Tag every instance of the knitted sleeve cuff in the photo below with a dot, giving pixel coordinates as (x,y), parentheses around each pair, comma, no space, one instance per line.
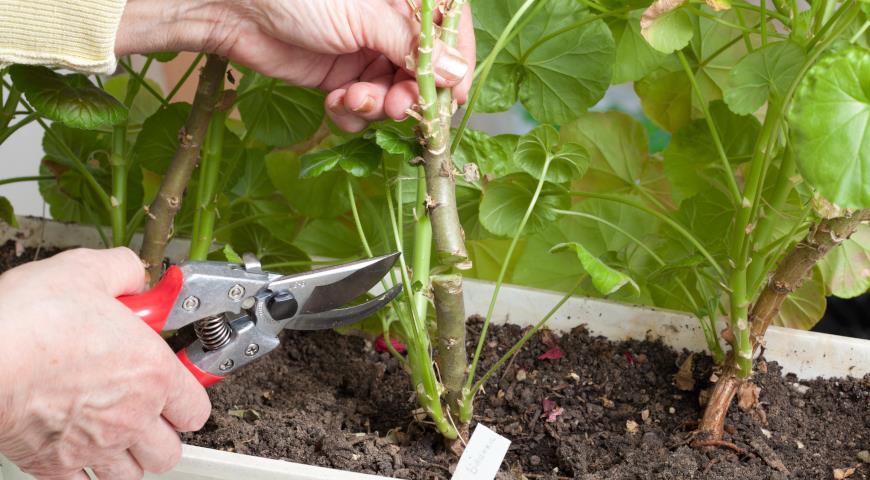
(74,34)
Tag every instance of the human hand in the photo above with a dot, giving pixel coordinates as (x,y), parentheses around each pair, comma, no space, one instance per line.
(84,382)
(353,49)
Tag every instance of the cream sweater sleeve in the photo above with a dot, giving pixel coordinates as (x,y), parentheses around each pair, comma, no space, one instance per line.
(73,34)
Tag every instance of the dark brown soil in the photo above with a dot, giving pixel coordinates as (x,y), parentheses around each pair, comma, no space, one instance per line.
(328,400)
(13,255)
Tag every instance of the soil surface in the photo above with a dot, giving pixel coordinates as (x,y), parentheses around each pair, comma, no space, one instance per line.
(605,410)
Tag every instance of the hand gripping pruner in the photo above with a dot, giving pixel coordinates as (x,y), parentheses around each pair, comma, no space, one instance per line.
(239,310)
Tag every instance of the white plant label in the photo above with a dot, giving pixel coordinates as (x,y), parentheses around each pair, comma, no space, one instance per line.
(482,456)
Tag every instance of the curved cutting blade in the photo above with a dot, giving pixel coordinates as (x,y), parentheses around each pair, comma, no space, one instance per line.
(343,316)
(328,288)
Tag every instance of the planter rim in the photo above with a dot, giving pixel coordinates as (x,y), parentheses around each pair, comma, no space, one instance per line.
(806,354)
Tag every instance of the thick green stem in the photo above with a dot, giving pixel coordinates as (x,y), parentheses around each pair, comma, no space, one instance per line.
(422,260)
(419,347)
(452,357)
(158,229)
(206,195)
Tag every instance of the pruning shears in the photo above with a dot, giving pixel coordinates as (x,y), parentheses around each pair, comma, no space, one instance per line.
(238,311)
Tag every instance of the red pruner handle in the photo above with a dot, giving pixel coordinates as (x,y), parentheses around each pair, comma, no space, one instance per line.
(204,378)
(153,306)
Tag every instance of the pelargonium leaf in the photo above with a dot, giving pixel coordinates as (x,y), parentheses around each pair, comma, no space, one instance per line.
(278,114)
(7,212)
(69,99)
(558,65)
(635,57)
(506,200)
(358,157)
(830,127)
(666,98)
(605,279)
(666,26)
(846,269)
(567,161)
(804,307)
(765,73)
(692,162)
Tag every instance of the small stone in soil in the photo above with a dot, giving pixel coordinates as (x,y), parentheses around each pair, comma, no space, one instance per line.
(864,456)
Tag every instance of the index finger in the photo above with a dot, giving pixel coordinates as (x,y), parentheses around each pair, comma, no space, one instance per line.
(187,406)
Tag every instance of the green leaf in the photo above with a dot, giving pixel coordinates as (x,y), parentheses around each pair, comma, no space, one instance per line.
(666,98)
(765,73)
(358,157)
(278,114)
(70,99)
(709,215)
(606,280)
(559,64)
(157,142)
(635,58)
(619,155)
(666,26)
(329,238)
(567,161)
(804,307)
(396,140)
(324,196)
(7,213)
(506,200)
(692,163)
(274,253)
(830,127)
(846,269)
(491,154)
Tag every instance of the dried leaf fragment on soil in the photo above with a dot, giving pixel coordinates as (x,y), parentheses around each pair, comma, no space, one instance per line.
(747,396)
(554,353)
(684,379)
(552,410)
(843,473)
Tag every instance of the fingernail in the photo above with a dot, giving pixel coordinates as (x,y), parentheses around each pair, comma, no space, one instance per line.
(451,65)
(337,105)
(367,105)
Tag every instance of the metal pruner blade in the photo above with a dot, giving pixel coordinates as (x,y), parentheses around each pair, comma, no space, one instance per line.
(321,293)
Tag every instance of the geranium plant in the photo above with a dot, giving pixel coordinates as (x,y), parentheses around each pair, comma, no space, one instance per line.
(767,107)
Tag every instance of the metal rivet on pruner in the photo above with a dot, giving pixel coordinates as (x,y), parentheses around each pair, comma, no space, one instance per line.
(190,303)
(237,292)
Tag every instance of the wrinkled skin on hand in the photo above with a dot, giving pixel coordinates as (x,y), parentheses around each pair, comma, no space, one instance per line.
(84,382)
(355,50)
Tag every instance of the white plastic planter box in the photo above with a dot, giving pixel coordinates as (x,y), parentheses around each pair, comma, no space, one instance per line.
(806,354)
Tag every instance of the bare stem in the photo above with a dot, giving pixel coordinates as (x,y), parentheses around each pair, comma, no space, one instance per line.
(452,357)
(158,229)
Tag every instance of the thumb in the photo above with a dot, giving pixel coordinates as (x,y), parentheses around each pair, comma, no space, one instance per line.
(116,271)
(395,35)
